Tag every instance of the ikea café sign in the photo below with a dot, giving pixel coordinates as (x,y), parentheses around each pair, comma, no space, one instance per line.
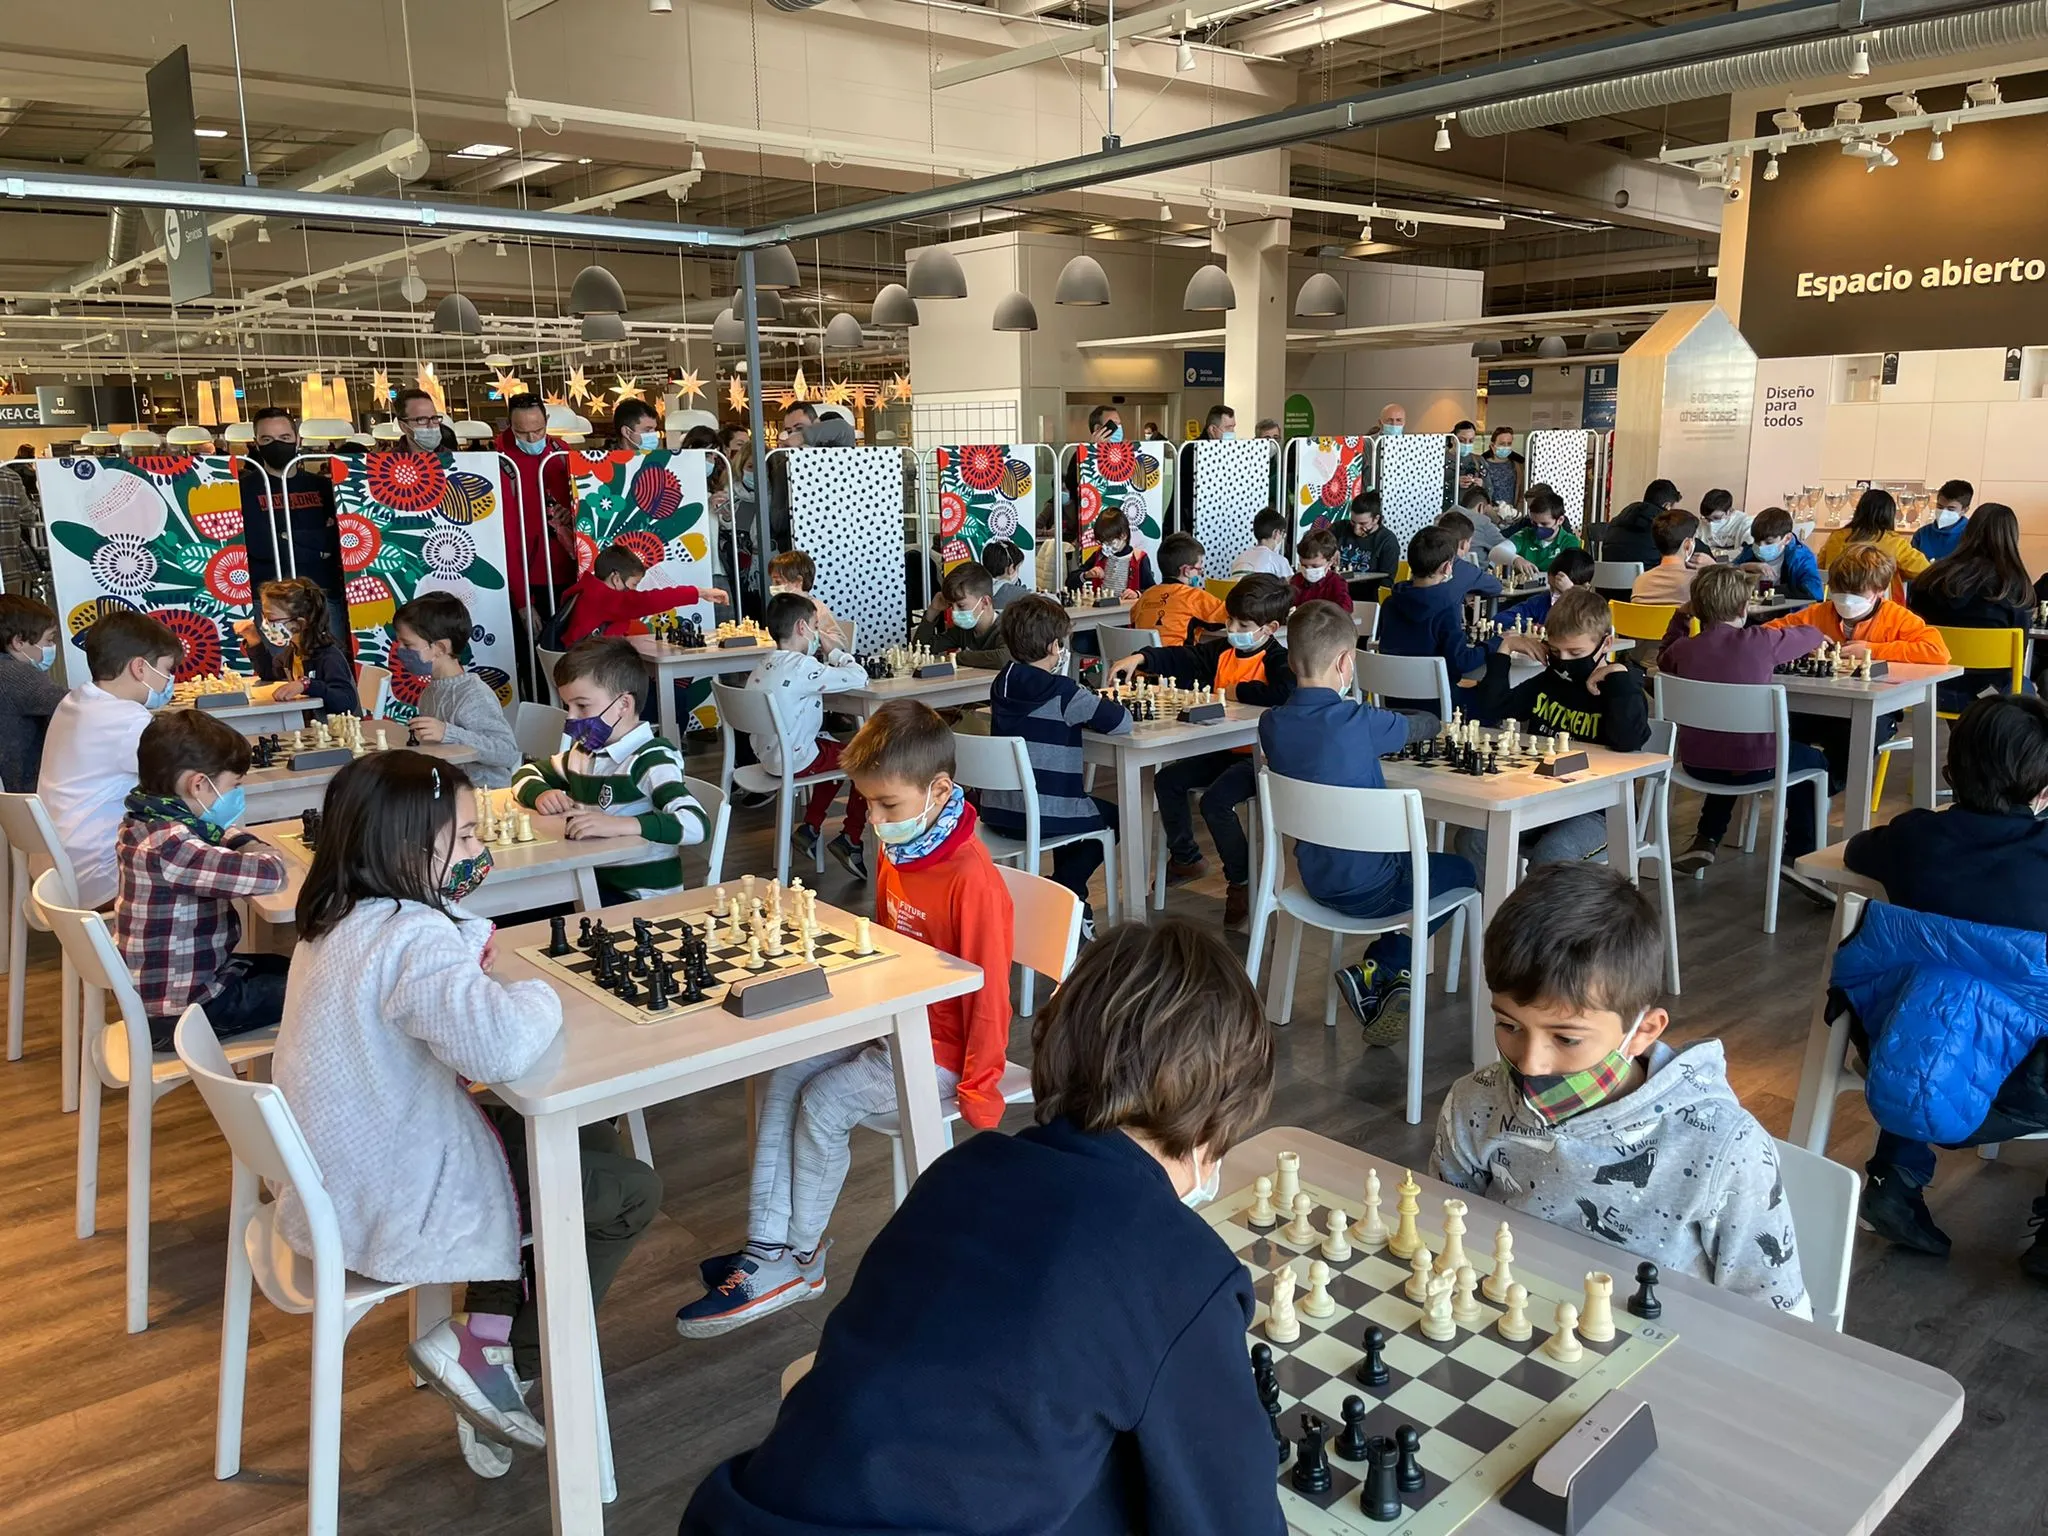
(1966,273)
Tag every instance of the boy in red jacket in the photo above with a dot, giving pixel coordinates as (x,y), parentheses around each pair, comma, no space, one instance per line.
(938,885)
(1318,580)
(608,599)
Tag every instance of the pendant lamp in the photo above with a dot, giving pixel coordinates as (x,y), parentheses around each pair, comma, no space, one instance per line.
(775,267)
(843,333)
(893,306)
(1209,291)
(456,316)
(1321,297)
(600,327)
(728,330)
(596,291)
(1082,281)
(936,274)
(1016,312)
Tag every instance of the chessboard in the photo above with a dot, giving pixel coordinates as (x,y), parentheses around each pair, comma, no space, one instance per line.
(668,943)
(1829,661)
(1152,703)
(1469,748)
(1484,1406)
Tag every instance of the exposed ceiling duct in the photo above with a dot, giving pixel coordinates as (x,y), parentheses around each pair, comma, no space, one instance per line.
(124,243)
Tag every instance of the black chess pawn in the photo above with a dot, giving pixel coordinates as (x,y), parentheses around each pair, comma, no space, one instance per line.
(558,938)
(1351,1444)
(1266,1378)
(1379,1496)
(1645,1303)
(625,991)
(1408,1468)
(1372,1370)
(585,938)
(1311,1472)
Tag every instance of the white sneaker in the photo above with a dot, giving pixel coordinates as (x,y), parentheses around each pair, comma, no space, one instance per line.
(486,1458)
(477,1379)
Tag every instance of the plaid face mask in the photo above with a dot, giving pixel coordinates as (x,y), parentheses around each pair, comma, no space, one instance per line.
(1557,1096)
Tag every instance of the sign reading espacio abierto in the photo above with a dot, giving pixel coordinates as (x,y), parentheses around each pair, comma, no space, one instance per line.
(1919,256)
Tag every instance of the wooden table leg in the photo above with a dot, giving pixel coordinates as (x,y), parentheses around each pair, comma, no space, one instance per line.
(1862,766)
(1926,722)
(568,1363)
(917,1091)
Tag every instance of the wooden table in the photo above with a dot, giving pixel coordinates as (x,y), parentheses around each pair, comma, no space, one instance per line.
(277,793)
(1148,746)
(967,685)
(1095,618)
(1766,1424)
(1905,686)
(671,664)
(602,1066)
(1821,1074)
(1762,611)
(262,714)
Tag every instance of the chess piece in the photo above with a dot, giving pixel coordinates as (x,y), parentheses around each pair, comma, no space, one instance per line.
(810,937)
(1372,1370)
(1286,1180)
(1337,1246)
(1351,1444)
(1282,1327)
(558,938)
(1379,1496)
(1301,1231)
(1437,1321)
(754,960)
(1645,1303)
(1318,1302)
(1265,1378)
(1514,1323)
(1453,1254)
(1563,1345)
(1408,1465)
(1311,1472)
(1370,1230)
(525,832)
(1262,1215)
(1465,1301)
(718,904)
(1503,1275)
(1419,1271)
(1406,1239)
(863,941)
(1596,1322)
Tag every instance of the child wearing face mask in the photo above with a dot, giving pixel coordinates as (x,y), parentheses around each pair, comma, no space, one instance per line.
(798,673)
(89,752)
(30,689)
(608,600)
(391,1011)
(963,623)
(1543,536)
(1181,607)
(1004,562)
(937,885)
(1723,529)
(1937,539)
(1778,559)
(1117,565)
(1319,580)
(1043,1318)
(615,777)
(430,635)
(1590,1121)
(1572,568)
(1269,548)
(795,571)
(299,653)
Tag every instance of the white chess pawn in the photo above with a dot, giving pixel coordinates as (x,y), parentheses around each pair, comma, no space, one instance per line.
(1370,1230)
(1419,1272)
(1262,1215)
(1514,1323)
(1337,1245)
(1596,1323)
(1301,1231)
(1465,1304)
(1503,1275)
(1563,1345)
(1318,1302)
(1453,1255)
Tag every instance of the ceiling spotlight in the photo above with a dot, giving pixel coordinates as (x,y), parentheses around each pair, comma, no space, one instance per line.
(1443,131)
(1165,213)
(1787,119)
(1983,94)
(660,7)
(499,249)
(1905,104)
(696,159)
(1935,148)
(1108,78)
(341,285)
(1184,57)
(263,234)
(1771,169)
(1848,112)
(1859,61)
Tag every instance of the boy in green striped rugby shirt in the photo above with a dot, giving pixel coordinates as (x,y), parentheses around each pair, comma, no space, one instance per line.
(617,778)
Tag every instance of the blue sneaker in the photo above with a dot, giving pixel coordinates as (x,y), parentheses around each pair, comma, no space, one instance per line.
(807,839)
(752,1289)
(1360,985)
(851,856)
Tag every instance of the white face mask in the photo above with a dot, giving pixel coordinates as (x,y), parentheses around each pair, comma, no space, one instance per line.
(1948,517)
(1206,1189)
(1246,639)
(428,436)
(1314,573)
(1853,605)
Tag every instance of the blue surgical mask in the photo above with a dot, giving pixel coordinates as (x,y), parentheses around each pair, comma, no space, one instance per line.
(1390,429)
(1948,517)
(1542,535)
(1771,550)
(1206,1189)
(1116,432)
(1501,451)
(536,449)
(48,659)
(647,442)
(227,809)
(1246,640)
(1228,435)
(159,697)
(896,833)
(966,618)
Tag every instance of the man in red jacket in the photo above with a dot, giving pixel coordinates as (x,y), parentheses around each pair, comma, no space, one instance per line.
(540,522)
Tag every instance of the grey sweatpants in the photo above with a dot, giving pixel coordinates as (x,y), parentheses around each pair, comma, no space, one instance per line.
(1562,842)
(808,1111)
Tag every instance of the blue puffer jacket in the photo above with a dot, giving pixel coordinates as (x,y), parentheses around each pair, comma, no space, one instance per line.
(1950,1007)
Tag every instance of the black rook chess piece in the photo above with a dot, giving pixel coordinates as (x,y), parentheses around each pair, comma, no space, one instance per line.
(1311,1472)
(1379,1497)
(558,938)
(1645,1303)
(1408,1470)
(1372,1370)
(1352,1443)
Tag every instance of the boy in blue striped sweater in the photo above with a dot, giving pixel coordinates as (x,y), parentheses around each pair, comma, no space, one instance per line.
(1030,699)
(617,778)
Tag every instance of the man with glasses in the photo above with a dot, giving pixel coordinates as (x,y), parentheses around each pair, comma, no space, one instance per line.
(419,422)
(288,515)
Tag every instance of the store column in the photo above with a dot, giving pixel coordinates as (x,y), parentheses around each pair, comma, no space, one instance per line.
(1255,332)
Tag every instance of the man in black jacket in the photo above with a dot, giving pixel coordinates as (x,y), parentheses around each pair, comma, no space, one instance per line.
(1628,537)
(288,521)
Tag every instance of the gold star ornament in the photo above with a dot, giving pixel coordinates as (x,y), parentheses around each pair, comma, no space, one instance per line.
(838,393)
(899,386)
(506,385)
(626,389)
(579,386)
(690,386)
(736,395)
(380,385)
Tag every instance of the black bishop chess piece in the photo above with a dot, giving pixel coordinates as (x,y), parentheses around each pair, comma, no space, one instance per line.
(1311,1472)
(1372,1370)
(1351,1444)
(1379,1496)
(1408,1466)
(558,938)
(1645,1303)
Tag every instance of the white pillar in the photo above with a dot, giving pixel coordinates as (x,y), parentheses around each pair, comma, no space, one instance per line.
(1255,332)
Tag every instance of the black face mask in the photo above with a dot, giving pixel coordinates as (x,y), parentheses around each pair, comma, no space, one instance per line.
(1578,669)
(276,454)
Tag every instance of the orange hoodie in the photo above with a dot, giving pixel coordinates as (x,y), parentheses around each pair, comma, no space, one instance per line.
(1174,608)
(1892,631)
(953,899)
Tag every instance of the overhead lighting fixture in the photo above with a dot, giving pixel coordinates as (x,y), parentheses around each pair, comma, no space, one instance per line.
(1552,346)
(188,437)
(1904,104)
(775,267)
(1184,57)
(1443,131)
(1936,150)
(1983,94)
(1771,169)
(893,307)
(1859,61)
(600,328)
(1321,298)
(209,133)
(1603,341)
(263,234)
(936,274)
(1082,281)
(1486,349)
(456,316)
(595,290)
(843,333)
(1165,213)
(660,7)
(1015,312)
(480,151)
(728,330)
(499,249)
(1788,120)
(1209,291)
(1883,158)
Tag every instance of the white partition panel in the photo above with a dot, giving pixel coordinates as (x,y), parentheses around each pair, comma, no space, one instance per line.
(846,510)
(1234,482)
(1415,480)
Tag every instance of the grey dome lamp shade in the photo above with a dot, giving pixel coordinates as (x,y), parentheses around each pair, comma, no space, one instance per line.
(1551,346)
(843,333)
(1209,291)
(456,316)
(1604,341)
(936,274)
(1486,349)
(1015,312)
(775,267)
(1082,281)
(893,306)
(728,330)
(603,328)
(767,304)
(1321,297)
(596,291)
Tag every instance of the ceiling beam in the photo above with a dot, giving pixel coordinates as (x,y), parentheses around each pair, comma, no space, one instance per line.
(1292,31)
(1168,18)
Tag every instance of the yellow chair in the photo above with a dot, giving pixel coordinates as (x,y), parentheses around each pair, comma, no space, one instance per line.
(1401,571)
(1220,588)
(1975,650)
(1642,621)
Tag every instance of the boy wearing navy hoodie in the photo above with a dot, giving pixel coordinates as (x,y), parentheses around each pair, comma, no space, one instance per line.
(1425,616)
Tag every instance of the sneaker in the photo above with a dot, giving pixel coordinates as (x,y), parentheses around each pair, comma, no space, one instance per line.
(1087,923)
(1360,985)
(806,837)
(748,799)
(2034,1261)
(1390,1024)
(476,1376)
(1820,895)
(1180,872)
(1896,1210)
(752,1289)
(1237,905)
(850,855)
(1696,860)
(486,1458)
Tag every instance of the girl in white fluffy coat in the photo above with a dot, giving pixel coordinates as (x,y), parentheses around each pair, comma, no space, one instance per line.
(390,1013)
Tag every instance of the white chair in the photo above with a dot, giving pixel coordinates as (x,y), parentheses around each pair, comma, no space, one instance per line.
(1358,821)
(1823,1197)
(1382,677)
(1367,617)
(269,1151)
(33,848)
(1651,839)
(759,713)
(119,1055)
(712,798)
(1753,709)
(1047,925)
(1116,641)
(1616,575)
(537,727)
(548,661)
(373,689)
(1004,762)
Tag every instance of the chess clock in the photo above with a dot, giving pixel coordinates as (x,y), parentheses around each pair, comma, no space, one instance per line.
(1572,1480)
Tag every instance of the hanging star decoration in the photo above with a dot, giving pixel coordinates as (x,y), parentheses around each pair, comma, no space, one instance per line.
(690,386)
(736,395)
(554,401)
(579,386)
(838,393)
(626,389)
(798,388)
(506,385)
(425,380)
(659,406)
(380,385)
(899,386)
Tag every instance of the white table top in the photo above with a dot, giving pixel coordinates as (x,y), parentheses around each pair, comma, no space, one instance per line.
(1901,678)
(1174,738)
(601,1059)
(705,658)
(394,735)
(260,706)
(967,685)
(1779,1427)
(1523,787)
(1091,617)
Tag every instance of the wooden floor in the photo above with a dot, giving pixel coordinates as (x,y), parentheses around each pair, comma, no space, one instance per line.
(102,1432)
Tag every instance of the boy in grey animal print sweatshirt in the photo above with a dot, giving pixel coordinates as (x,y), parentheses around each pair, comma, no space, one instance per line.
(1590,1121)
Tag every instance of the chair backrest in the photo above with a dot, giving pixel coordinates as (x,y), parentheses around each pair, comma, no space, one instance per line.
(1047,922)
(1619,574)
(1219,587)
(852,628)
(1983,649)
(87,943)
(1752,709)
(758,712)
(982,761)
(538,728)
(1823,1195)
(547,670)
(1116,641)
(28,827)
(1335,816)
(1367,617)
(713,799)
(373,689)
(1401,571)
(1385,677)
(1641,621)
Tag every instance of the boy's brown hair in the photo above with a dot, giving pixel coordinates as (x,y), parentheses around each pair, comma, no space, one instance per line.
(786,610)
(187,741)
(1033,625)
(1157,1031)
(1320,545)
(618,561)
(1112,525)
(1177,551)
(23,618)
(1579,614)
(1672,528)
(1771,523)
(1317,635)
(1577,936)
(795,568)
(1721,593)
(609,662)
(1259,599)
(1457,524)
(118,638)
(901,740)
(1862,568)
(968,579)
(1431,550)
(437,616)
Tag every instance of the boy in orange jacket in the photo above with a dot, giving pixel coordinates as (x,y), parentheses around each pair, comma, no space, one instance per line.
(936,884)
(1182,603)
(1864,621)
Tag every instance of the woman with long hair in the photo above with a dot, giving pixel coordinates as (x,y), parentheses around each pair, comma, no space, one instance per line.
(1983,585)
(1875,521)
